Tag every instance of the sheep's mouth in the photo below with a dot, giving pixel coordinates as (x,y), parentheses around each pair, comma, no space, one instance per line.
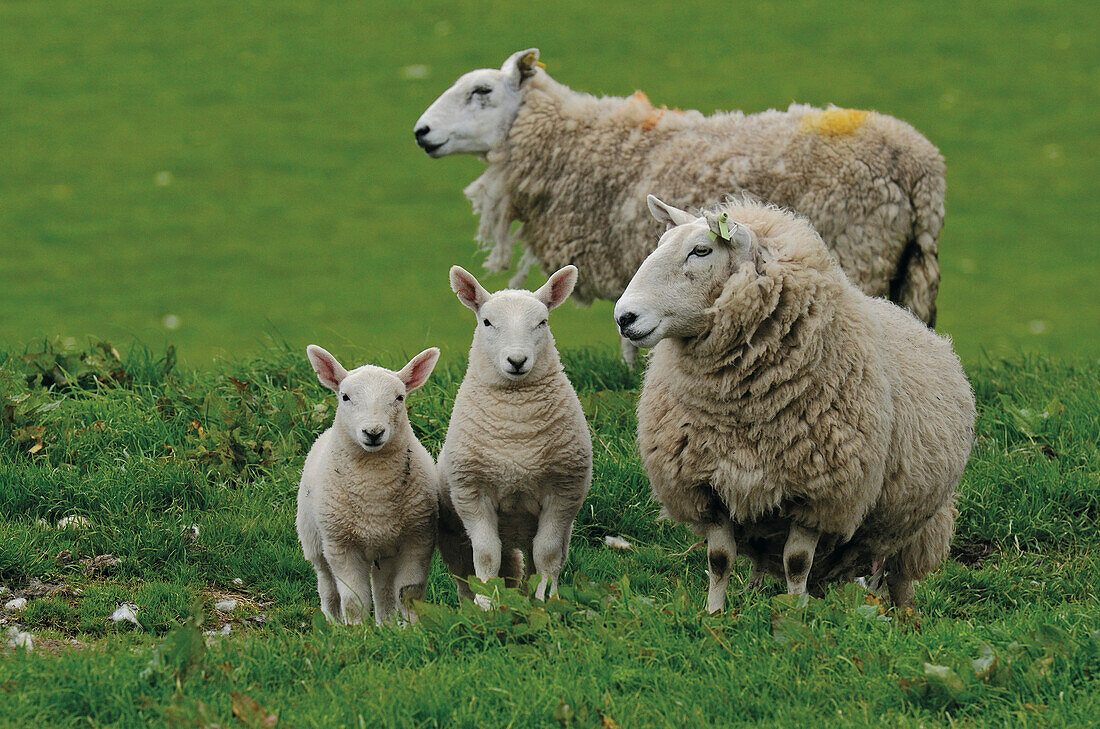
(430,148)
(635,339)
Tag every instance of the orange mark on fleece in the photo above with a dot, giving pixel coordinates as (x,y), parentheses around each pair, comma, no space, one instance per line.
(834,122)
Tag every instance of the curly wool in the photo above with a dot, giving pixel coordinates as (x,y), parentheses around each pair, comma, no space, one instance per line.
(806,401)
(575,170)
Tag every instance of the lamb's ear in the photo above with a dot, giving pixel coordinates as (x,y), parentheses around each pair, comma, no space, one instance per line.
(669,215)
(554,292)
(521,66)
(416,372)
(330,372)
(471,293)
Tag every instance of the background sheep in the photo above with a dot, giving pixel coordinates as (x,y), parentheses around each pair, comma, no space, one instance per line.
(517,461)
(575,169)
(786,414)
(367,502)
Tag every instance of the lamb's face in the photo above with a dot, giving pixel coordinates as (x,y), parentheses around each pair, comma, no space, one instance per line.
(475,115)
(513,330)
(370,401)
(673,288)
(371,406)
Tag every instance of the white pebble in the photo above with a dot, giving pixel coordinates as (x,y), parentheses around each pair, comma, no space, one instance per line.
(16,604)
(72,522)
(617,542)
(238,581)
(126,612)
(225,606)
(20,639)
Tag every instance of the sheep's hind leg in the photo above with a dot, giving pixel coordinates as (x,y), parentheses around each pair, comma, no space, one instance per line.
(382,579)
(798,557)
(721,551)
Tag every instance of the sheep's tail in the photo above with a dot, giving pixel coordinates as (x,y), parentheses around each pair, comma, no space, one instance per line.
(917,280)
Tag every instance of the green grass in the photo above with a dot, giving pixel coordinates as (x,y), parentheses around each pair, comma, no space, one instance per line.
(297,204)
(144,449)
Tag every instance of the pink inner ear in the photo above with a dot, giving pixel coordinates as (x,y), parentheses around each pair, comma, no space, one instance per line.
(328,370)
(416,372)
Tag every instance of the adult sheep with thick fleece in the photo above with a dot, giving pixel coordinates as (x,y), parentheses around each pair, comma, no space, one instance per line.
(368,499)
(574,169)
(787,416)
(517,461)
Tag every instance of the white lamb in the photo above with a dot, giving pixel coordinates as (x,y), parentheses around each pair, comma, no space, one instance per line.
(786,415)
(517,461)
(575,170)
(367,502)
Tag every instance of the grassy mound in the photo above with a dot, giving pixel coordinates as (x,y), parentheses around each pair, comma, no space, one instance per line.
(186,479)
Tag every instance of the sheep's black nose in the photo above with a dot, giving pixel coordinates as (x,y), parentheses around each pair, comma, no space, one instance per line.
(374,434)
(627,319)
(421,132)
(517,364)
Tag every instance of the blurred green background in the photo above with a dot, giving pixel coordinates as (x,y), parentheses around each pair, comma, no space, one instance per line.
(212,174)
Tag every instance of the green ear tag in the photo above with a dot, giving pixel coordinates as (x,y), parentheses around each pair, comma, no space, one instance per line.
(725,231)
(712,234)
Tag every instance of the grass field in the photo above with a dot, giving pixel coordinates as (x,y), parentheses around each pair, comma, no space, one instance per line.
(247,169)
(239,179)
(1007,633)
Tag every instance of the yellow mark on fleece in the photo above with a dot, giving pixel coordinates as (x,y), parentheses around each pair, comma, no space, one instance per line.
(834,122)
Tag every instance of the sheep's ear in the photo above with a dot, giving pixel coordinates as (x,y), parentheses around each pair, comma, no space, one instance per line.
(416,372)
(554,292)
(521,66)
(330,372)
(669,215)
(471,293)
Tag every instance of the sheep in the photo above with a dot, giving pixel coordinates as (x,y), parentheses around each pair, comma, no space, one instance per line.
(784,414)
(516,464)
(367,501)
(574,169)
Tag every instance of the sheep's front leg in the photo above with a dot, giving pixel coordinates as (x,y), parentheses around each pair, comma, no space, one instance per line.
(326,589)
(413,562)
(352,574)
(630,352)
(381,578)
(721,551)
(551,543)
(798,557)
(479,516)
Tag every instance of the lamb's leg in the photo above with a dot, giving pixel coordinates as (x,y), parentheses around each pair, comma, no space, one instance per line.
(756,578)
(413,562)
(382,581)
(479,516)
(901,589)
(351,570)
(721,551)
(326,589)
(630,352)
(551,543)
(798,557)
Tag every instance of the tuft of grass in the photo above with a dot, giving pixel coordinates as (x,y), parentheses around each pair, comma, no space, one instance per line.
(1006,632)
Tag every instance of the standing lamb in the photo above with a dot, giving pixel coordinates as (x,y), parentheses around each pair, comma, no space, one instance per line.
(517,461)
(367,503)
(785,413)
(575,169)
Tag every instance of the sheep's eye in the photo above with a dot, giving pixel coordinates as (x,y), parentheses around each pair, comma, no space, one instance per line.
(400,398)
(701,251)
(542,323)
(486,322)
(345,397)
(482,91)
